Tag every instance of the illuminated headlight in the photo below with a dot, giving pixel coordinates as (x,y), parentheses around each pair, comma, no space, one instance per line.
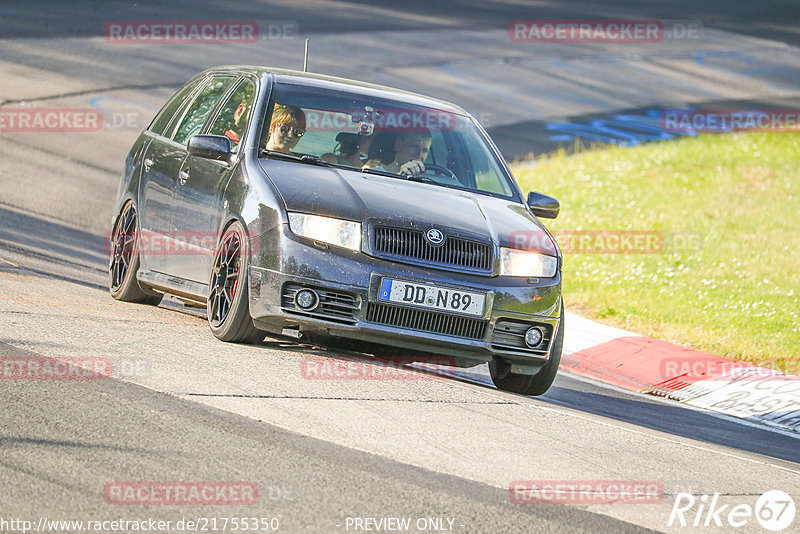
(335,232)
(524,263)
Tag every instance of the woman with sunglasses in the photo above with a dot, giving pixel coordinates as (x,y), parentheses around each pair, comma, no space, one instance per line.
(287,126)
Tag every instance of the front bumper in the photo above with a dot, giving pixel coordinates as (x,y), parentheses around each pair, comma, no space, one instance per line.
(351,282)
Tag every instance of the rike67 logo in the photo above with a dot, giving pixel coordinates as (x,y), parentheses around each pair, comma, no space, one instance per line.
(774,510)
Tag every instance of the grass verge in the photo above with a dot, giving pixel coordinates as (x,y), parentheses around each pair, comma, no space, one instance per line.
(727,278)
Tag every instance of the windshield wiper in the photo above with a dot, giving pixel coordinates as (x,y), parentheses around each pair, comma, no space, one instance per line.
(380,172)
(419,178)
(302,158)
(409,177)
(423,178)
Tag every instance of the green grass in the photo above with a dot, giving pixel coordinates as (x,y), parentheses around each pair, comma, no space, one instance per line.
(734,295)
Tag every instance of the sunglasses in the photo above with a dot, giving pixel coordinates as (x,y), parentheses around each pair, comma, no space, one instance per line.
(294,130)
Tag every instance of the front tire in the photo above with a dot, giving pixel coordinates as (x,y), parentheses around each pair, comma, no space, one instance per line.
(227,306)
(533,385)
(124,260)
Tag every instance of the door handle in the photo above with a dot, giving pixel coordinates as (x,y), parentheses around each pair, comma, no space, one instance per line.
(183,176)
(147,164)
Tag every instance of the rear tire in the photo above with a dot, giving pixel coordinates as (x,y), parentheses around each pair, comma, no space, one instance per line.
(533,385)
(228,296)
(124,260)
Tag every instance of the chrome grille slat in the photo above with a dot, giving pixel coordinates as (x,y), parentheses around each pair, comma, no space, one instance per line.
(412,245)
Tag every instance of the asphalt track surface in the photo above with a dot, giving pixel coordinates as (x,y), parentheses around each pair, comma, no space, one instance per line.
(185,407)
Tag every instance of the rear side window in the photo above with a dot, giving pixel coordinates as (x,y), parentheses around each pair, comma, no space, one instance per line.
(232,118)
(166,113)
(199,110)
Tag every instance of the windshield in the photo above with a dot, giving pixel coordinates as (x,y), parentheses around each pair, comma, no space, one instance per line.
(358,131)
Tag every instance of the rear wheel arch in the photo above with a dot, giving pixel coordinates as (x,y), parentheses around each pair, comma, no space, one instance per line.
(124,258)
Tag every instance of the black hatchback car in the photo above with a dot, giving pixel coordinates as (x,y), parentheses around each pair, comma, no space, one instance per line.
(301,204)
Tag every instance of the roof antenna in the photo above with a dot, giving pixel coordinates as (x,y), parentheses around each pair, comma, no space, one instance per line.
(305,58)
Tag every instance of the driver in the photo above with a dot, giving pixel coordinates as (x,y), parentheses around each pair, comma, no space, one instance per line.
(411,150)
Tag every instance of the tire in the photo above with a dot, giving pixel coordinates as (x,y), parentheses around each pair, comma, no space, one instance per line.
(124,259)
(227,306)
(533,385)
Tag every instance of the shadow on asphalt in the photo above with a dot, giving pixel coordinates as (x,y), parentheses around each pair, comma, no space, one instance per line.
(589,398)
(66,253)
(676,420)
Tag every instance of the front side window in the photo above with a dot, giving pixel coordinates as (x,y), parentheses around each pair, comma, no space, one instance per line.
(202,106)
(235,113)
(362,131)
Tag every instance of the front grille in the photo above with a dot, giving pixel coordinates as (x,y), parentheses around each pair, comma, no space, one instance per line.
(454,251)
(333,305)
(510,335)
(426,321)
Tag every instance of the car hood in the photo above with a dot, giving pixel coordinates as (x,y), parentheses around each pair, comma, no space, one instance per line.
(371,198)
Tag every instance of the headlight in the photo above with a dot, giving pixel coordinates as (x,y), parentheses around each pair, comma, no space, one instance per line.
(336,232)
(524,263)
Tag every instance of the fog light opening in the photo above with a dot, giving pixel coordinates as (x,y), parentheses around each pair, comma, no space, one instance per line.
(533,337)
(306,299)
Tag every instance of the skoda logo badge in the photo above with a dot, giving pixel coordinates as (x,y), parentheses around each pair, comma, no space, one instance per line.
(435,236)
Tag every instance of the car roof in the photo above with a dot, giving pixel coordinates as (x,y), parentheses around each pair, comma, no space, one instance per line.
(332,82)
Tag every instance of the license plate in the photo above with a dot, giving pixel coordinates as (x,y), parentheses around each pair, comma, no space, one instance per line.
(432,297)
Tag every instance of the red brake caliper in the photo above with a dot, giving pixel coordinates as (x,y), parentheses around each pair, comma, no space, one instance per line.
(235,282)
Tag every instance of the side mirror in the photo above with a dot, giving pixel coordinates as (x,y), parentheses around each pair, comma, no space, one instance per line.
(215,147)
(543,205)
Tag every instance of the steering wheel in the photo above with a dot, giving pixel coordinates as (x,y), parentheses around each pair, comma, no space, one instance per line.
(440,170)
